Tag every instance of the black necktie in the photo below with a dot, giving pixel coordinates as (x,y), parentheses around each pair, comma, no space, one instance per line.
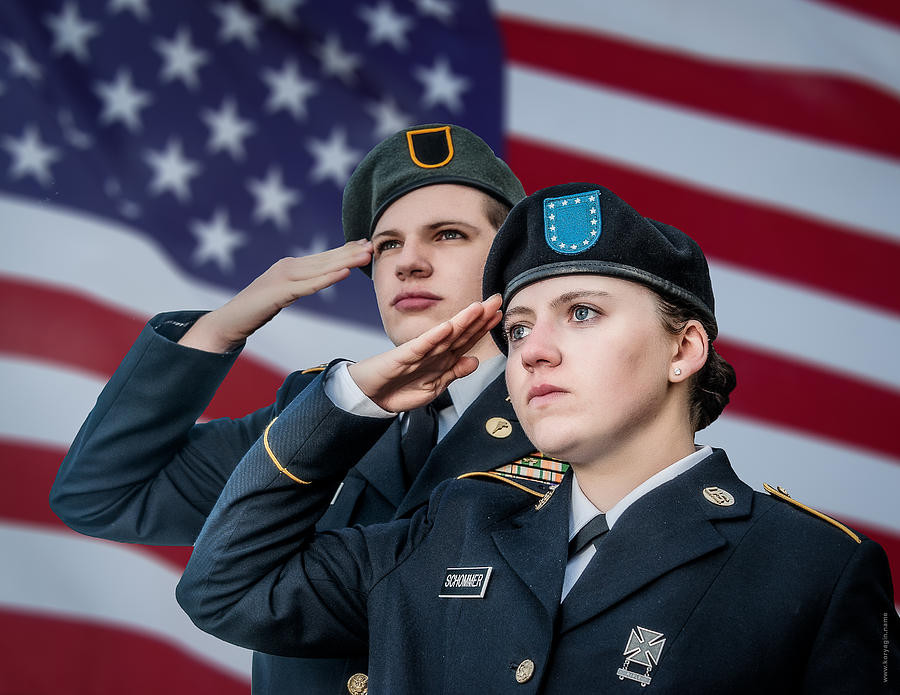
(591,531)
(421,435)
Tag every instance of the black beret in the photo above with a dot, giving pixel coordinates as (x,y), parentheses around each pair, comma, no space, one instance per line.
(579,228)
(422,156)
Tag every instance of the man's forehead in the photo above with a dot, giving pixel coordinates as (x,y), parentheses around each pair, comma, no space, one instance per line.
(431,206)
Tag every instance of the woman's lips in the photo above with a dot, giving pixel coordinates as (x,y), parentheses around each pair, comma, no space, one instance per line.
(544,393)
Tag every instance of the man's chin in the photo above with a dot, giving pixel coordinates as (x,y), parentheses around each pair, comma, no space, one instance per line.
(410,327)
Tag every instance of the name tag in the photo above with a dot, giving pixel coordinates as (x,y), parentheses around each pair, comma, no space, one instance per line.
(465,582)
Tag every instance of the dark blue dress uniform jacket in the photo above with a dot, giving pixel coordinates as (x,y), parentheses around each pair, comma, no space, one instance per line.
(756,597)
(141,471)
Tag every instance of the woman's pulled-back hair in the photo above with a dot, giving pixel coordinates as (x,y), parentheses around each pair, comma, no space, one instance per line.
(711,386)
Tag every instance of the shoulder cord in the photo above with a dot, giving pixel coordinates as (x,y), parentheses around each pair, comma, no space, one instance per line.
(275,460)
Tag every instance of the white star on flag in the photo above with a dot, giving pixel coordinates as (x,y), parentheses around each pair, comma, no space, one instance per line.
(70,32)
(122,101)
(289,91)
(282,10)
(388,118)
(272,199)
(137,7)
(171,170)
(228,130)
(442,85)
(439,9)
(216,240)
(336,62)
(386,25)
(181,59)
(30,156)
(236,24)
(20,63)
(333,158)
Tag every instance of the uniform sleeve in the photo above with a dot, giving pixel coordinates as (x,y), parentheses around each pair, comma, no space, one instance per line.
(259,576)
(140,470)
(856,647)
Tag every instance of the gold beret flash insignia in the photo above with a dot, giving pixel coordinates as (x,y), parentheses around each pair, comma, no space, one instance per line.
(430,148)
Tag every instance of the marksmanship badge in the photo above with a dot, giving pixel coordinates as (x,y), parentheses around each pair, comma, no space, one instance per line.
(572,223)
(644,647)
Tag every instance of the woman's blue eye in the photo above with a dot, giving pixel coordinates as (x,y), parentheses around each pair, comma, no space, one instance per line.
(583,313)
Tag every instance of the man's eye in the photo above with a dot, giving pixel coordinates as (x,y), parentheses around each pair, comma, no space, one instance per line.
(583,313)
(517,332)
(451,234)
(386,245)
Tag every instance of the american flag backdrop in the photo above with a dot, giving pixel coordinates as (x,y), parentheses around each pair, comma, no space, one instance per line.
(158,155)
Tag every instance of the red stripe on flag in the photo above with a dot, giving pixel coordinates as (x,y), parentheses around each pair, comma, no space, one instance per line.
(826,257)
(67,328)
(49,325)
(55,655)
(829,108)
(885,10)
(32,470)
(790,393)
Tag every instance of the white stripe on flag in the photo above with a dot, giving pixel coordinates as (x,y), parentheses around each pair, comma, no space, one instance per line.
(107,583)
(44,403)
(805,325)
(760,33)
(817,180)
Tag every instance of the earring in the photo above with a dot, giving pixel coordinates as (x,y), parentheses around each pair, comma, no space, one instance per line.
(677,371)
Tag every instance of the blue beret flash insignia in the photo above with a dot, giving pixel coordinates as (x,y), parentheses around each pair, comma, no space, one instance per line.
(572,222)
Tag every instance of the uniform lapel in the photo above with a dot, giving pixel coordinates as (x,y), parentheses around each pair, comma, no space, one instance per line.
(382,467)
(667,528)
(469,447)
(534,544)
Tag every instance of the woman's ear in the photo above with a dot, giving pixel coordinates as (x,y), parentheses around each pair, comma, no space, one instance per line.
(692,347)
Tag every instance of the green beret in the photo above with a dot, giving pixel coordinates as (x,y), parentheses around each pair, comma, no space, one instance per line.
(577,228)
(422,156)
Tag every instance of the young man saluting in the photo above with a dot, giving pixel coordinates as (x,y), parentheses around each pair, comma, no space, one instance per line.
(422,208)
